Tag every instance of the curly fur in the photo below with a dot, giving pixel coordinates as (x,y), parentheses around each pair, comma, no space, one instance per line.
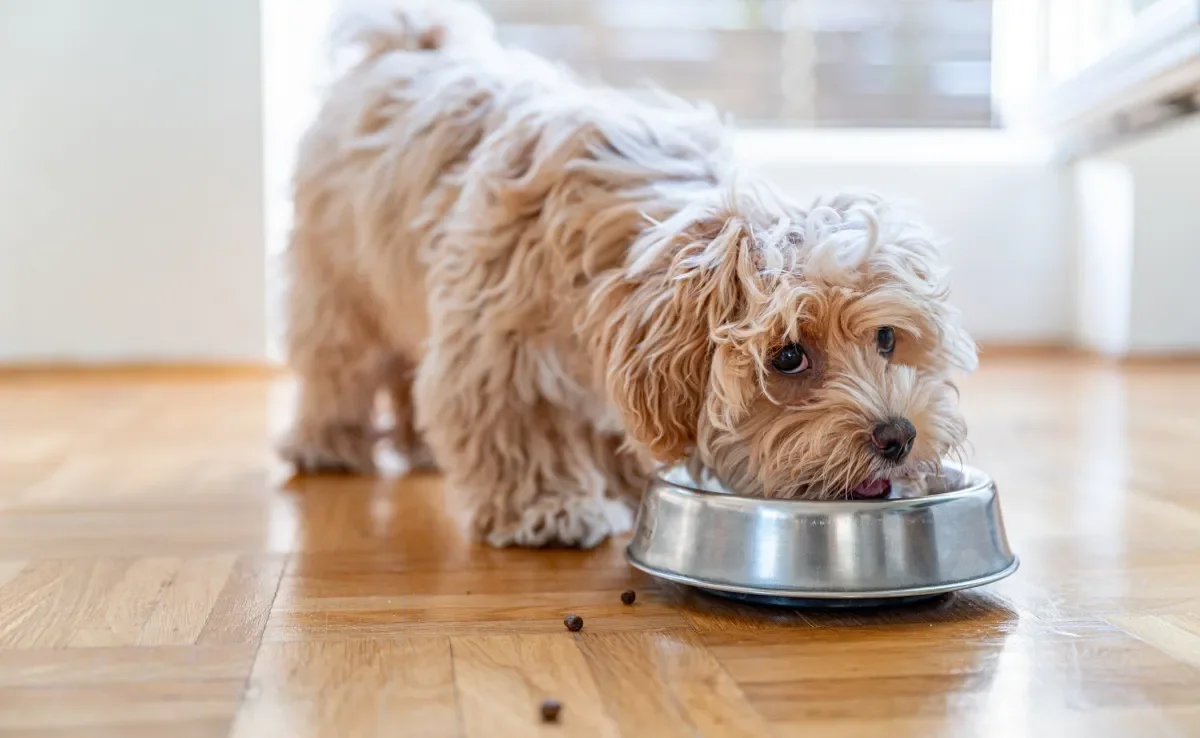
(560,288)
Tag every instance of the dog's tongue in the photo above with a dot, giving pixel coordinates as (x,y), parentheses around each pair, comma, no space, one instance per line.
(873,488)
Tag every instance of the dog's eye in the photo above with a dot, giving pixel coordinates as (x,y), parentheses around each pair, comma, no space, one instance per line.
(885,339)
(791,359)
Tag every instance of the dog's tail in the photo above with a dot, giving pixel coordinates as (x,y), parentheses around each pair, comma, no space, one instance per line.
(382,26)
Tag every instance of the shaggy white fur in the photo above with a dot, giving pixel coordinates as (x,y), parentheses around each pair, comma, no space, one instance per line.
(560,288)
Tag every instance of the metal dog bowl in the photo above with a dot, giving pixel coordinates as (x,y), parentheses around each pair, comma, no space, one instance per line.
(843,553)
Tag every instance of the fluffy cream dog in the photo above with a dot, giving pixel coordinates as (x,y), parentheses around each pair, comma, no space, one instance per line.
(560,288)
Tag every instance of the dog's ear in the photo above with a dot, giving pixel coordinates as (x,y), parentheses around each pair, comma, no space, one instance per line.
(899,246)
(652,323)
(961,350)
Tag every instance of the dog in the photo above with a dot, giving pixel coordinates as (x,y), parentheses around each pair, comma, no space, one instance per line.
(562,289)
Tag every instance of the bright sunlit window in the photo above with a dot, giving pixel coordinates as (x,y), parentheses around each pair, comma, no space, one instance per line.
(820,63)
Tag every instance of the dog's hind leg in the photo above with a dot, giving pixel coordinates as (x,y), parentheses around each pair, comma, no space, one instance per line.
(335,349)
(398,377)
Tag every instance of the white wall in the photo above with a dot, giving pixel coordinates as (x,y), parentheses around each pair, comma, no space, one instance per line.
(1105,260)
(131,181)
(1149,227)
(1165,311)
(994,197)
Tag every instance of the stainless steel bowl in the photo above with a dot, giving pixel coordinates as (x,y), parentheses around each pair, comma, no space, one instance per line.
(912,545)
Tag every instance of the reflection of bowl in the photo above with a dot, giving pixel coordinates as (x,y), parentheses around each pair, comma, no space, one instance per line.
(838,553)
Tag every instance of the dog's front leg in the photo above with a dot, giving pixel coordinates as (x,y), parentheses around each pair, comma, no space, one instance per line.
(536,473)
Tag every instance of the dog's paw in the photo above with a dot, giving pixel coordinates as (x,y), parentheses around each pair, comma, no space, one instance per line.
(570,521)
(341,449)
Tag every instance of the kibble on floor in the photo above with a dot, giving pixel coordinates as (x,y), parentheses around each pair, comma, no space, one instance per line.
(550,710)
(574,623)
(628,596)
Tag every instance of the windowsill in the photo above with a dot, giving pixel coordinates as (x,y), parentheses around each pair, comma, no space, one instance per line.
(887,146)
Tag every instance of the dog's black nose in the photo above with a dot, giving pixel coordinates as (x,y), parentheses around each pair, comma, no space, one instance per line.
(894,439)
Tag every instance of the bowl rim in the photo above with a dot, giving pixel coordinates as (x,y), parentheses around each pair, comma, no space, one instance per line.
(981,484)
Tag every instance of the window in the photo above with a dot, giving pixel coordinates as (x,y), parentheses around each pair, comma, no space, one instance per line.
(828,63)
(1083,32)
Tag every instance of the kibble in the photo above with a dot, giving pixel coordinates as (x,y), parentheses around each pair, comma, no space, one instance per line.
(574,623)
(628,596)
(550,710)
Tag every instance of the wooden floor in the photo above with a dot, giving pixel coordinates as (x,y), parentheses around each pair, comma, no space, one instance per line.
(158,577)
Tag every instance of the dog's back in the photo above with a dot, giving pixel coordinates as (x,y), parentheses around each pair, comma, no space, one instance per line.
(376,172)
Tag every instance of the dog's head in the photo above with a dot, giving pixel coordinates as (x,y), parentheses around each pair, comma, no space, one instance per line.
(793,353)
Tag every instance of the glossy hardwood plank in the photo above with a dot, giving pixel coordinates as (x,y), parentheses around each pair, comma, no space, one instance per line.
(353,687)
(1017,720)
(161,521)
(38,607)
(302,619)
(240,611)
(668,683)
(187,601)
(1177,636)
(195,709)
(82,667)
(502,681)
(120,616)
(1068,667)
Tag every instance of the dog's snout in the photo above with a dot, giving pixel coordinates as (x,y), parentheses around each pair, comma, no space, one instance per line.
(894,439)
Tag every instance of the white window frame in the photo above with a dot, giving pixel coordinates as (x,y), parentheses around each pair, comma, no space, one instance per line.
(1094,73)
